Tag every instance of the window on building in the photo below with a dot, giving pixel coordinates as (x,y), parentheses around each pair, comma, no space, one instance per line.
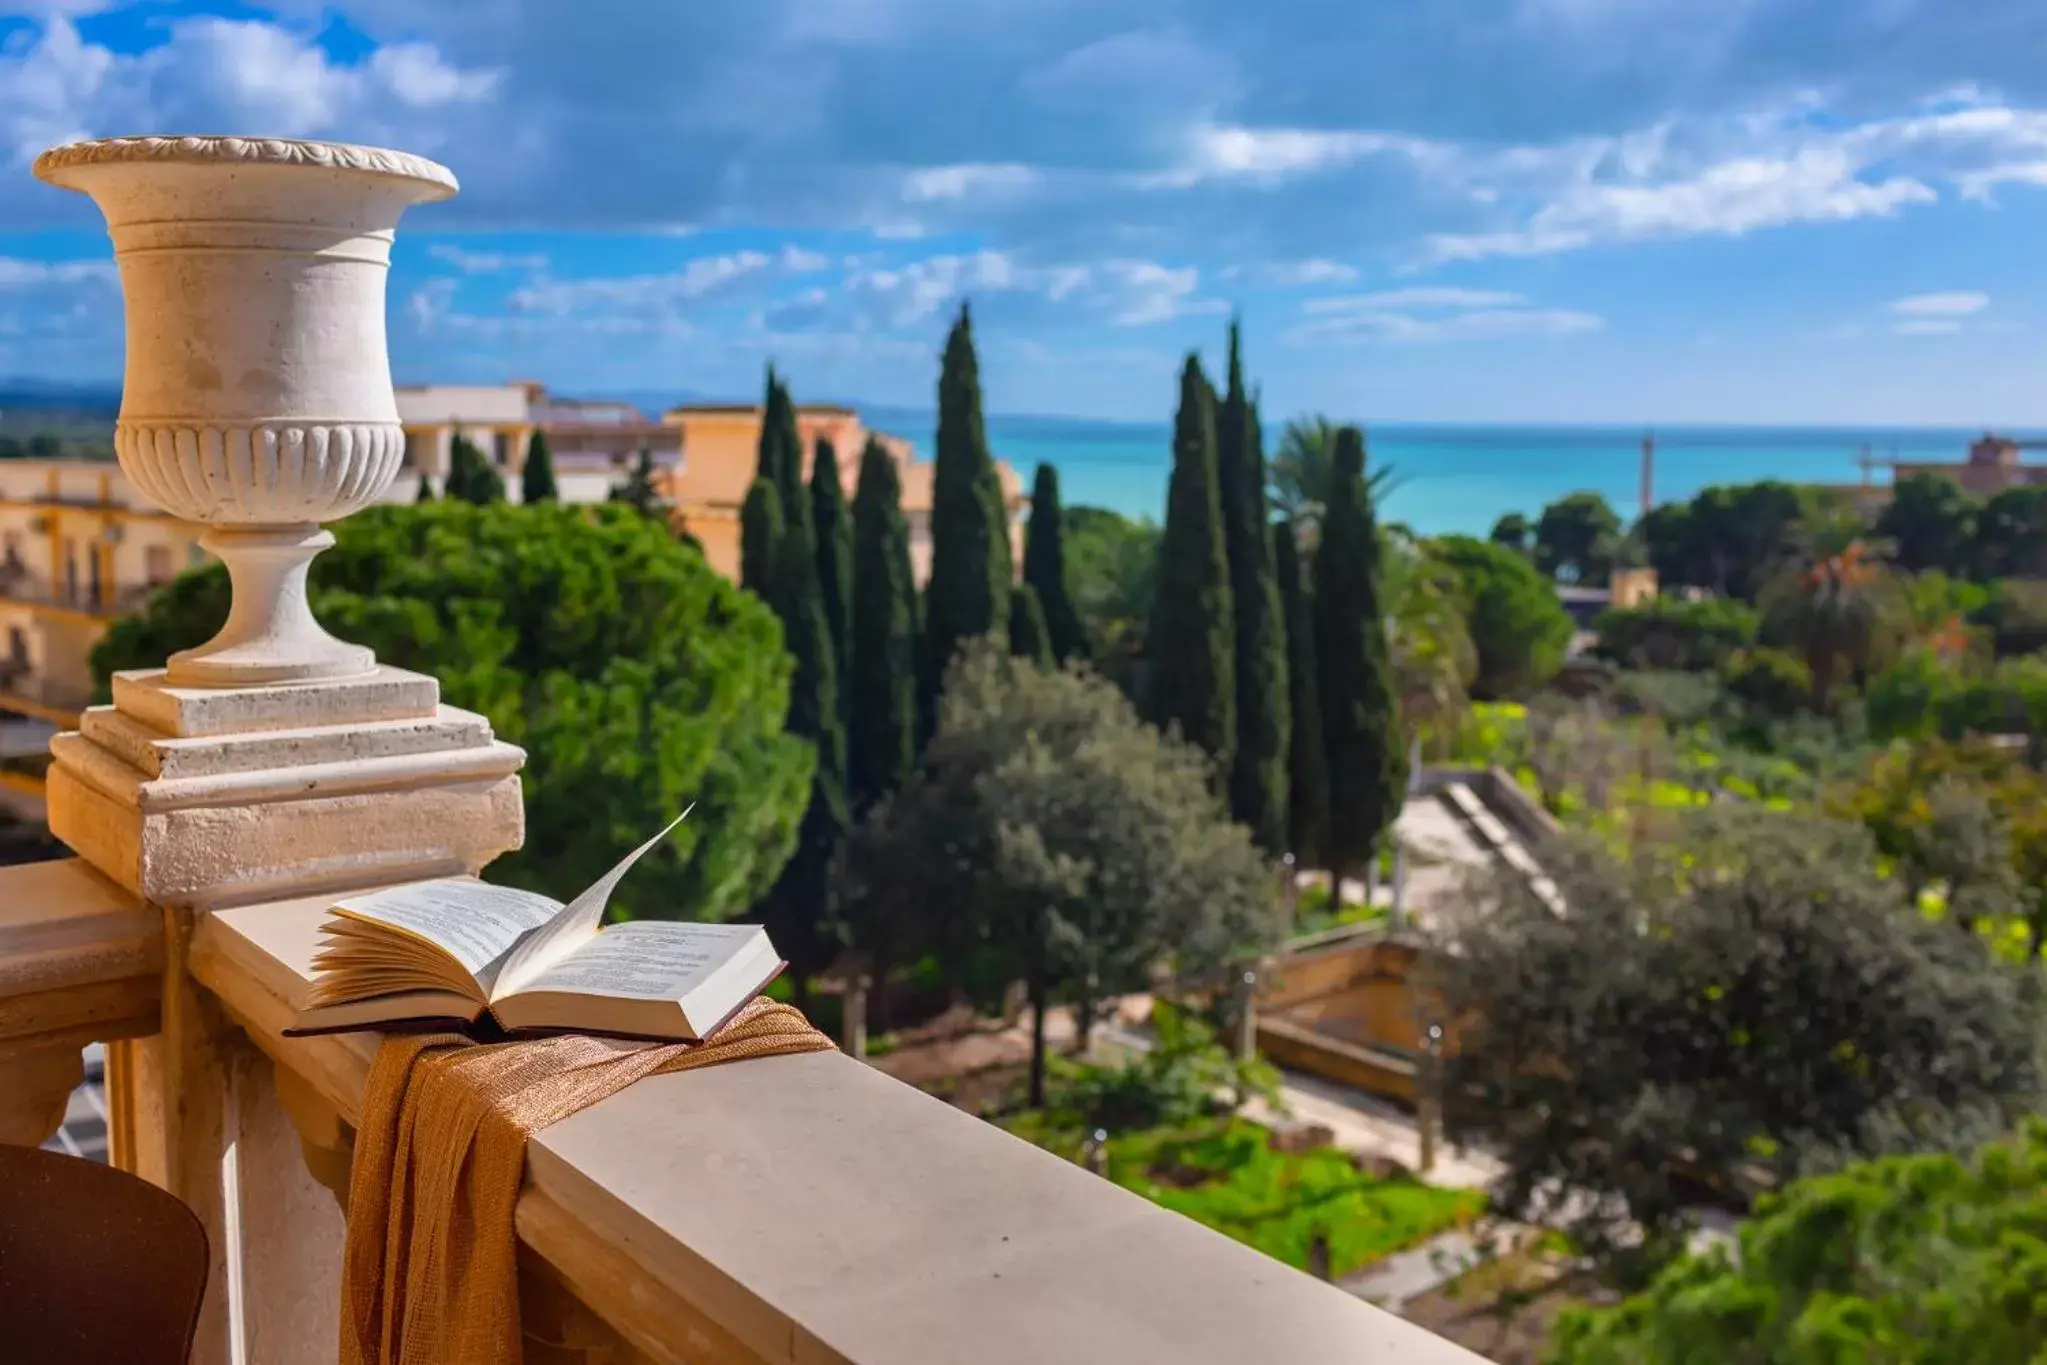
(17,649)
(501,447)
(70,569)
(157,564)
(415,449)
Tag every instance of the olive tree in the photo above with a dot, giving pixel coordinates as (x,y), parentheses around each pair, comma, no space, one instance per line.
(1052,828)
(1745,998)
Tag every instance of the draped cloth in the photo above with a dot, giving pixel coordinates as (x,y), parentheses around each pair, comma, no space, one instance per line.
(430,1271)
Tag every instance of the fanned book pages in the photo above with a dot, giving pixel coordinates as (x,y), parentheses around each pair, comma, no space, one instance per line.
(459,952)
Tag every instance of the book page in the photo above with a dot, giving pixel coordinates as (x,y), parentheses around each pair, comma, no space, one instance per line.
(474,922)
(646,960)
(576,924)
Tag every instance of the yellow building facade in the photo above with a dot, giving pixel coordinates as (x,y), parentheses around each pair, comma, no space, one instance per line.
(721,449)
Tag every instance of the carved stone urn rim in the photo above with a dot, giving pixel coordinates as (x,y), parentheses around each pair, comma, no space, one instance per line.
(215,150)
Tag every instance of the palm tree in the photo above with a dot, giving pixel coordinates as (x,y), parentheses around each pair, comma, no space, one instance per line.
(1303,469)
(1840,607)
(1434,659)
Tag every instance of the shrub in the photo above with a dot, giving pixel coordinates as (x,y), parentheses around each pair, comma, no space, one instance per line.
(1672,633)
(1770,682)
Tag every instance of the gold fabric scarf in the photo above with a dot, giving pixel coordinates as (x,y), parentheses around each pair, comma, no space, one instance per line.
(430,1274)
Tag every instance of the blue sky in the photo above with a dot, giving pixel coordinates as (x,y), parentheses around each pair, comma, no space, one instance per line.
(1498,210)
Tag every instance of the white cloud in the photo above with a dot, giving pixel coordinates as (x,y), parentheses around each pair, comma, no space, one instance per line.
(703,276)
(226,75)
(968,179)
(1418,297)
(485,262)
(1727,198)
(1272,155)
(1951,304)
(1292,274)
(17,273)
(1434,314)
(1928,327)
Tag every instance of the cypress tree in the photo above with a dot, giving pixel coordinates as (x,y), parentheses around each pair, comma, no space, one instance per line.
(882,741)
(536,479)
(1307,770)
(834,558)
(1360,730)
(760,535)
(1028,638)
(639,490)
(970,562)
(1192,677)
(426,487)
(470,476)
(781,447)
(1044,568)
(1258,778)
(800,911)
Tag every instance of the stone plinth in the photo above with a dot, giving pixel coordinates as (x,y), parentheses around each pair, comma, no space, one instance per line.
(207,797)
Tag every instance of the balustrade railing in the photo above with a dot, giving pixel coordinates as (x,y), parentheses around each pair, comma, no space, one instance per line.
(790,1209)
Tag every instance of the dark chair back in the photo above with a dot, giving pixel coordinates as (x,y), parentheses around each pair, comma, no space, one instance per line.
(95,1264)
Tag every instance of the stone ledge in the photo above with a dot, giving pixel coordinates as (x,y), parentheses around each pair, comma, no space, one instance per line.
(386,694)
(157,755)
(810,1209)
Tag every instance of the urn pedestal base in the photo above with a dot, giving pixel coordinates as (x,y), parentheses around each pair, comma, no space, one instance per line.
(206,797)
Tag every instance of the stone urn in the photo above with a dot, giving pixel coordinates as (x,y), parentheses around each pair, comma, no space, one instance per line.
(257,396)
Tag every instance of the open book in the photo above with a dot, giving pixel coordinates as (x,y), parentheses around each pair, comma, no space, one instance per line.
(450,952)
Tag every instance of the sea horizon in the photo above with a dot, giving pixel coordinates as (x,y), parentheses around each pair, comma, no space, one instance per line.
(1462,477)
(1448,476)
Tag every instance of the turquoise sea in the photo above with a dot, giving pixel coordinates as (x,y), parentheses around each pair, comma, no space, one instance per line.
(1462,478)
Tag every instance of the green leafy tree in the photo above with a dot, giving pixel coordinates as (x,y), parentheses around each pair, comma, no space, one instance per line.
(1674,633)
(1028,638)
(1909,1260)
(1434,659)
(1513,531)
(2011,534)
(1743,995)
(802,912)
(1307,770)
(882,739)
(1577,539)
(1930,522)
(536,477)
(1517,625)
(426,488)
(834,533)
(471,477)
(1044,568)
(760,534)
(635,677)
(1258,774)
(1112,565)
(968,595)
(1367,760)
(2015,613)
(1051,824)
(1731,539)
(1192,677)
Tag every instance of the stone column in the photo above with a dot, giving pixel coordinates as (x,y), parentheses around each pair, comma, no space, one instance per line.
(273,760)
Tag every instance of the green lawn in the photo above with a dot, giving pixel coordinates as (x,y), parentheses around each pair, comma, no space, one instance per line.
(1220,1172)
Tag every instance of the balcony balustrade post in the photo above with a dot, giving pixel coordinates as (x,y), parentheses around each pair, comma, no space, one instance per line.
(273,761)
